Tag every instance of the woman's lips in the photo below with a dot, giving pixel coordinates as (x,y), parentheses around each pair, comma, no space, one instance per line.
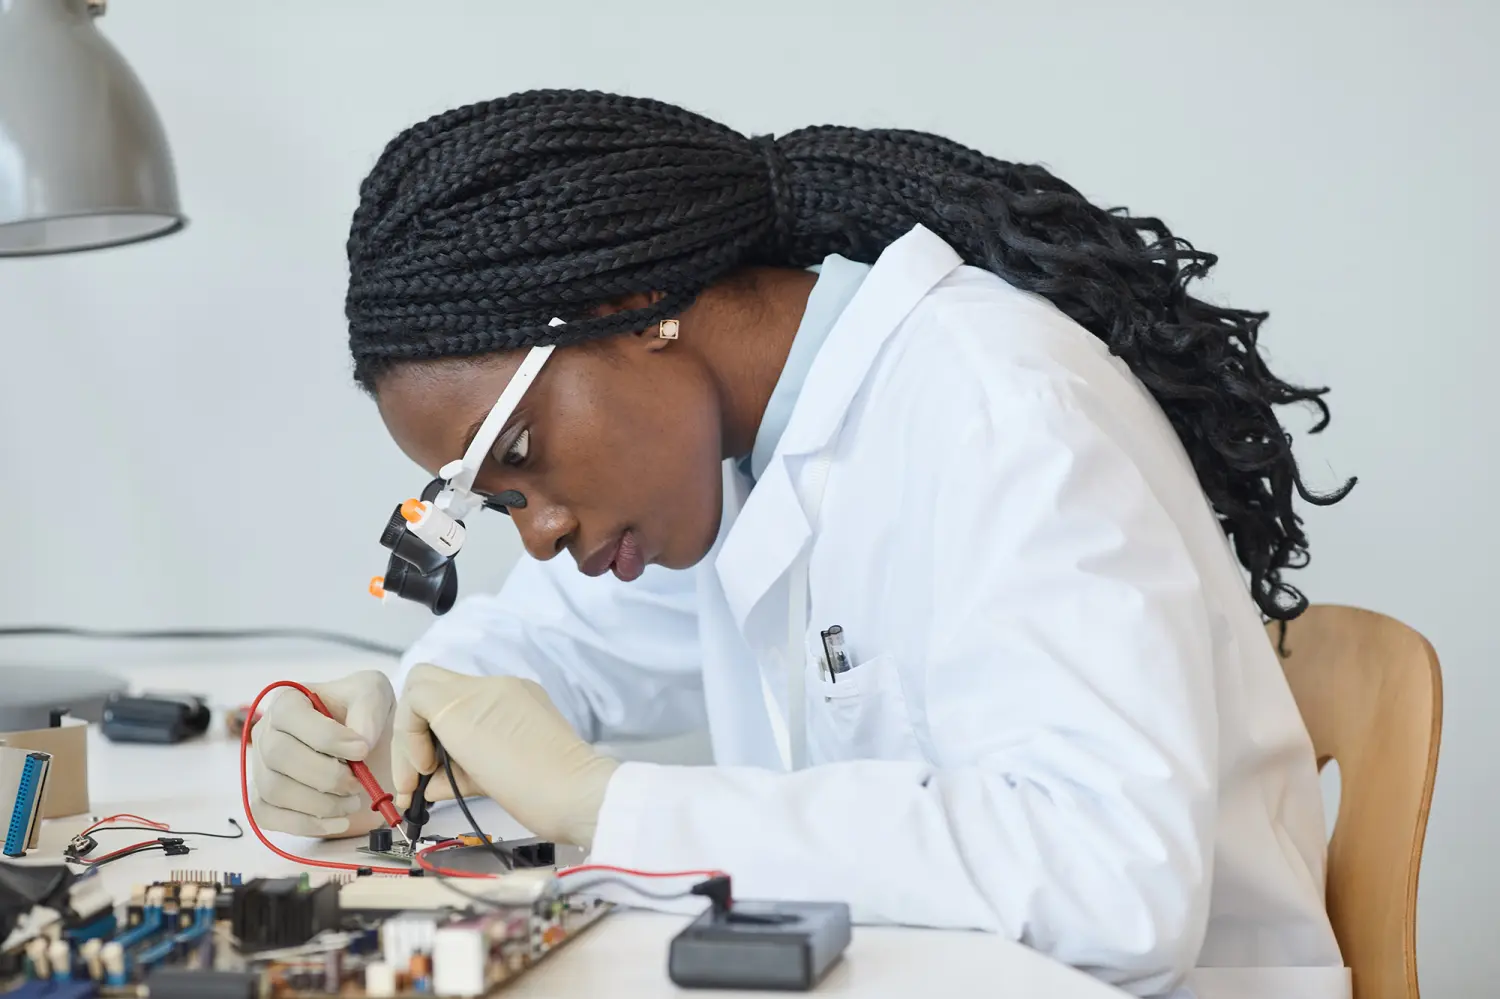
(624,556)
(628,562)
(600,560)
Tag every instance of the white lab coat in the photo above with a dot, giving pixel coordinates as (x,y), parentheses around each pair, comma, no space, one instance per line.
(1065,723)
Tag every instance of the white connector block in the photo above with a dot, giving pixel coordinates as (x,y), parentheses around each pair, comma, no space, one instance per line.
(521,888)
(459,961)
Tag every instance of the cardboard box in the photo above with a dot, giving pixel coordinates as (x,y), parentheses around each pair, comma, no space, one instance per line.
(68,781)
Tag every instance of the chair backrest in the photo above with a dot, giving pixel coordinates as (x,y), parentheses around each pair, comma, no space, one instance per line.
(1370,692)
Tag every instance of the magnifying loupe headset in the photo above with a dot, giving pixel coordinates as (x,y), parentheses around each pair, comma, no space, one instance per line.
(424,535)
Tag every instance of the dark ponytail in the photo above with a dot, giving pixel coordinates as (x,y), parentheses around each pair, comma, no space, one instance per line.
(478,226)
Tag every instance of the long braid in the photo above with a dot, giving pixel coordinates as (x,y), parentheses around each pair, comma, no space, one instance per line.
(478,226)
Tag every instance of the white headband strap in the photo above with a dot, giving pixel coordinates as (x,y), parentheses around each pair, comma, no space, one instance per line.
(460,474)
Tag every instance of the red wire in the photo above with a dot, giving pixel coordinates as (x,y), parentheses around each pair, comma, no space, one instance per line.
(421,858)
(361,773)
(115,853)
(137,819)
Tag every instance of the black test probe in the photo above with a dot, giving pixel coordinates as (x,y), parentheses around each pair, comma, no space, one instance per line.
(417,812)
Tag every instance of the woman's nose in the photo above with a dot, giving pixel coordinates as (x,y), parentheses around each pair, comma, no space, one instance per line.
(546,528)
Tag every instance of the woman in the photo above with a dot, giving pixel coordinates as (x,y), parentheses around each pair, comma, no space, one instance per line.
(1037,485)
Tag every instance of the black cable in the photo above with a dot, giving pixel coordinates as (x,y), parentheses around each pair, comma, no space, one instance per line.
(633,886)
(659,896)
(199,634)
(239,831)
(458,796)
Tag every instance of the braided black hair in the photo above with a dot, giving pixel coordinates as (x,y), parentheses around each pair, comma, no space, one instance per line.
(479,225)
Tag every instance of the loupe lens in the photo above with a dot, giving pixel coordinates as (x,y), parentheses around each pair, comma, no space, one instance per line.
(397,538)
(435,590)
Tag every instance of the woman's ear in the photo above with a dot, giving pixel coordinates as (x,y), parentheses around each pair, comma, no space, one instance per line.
(628,303)
(660,336)
(654,337)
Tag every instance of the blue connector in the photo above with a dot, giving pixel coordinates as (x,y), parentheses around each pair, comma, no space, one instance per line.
(103,927)
(28,800)
(203,924)
(151,923)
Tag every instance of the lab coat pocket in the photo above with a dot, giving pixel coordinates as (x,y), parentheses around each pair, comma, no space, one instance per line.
(861,715)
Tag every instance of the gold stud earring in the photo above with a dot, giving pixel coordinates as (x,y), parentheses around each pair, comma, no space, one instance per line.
(668,329)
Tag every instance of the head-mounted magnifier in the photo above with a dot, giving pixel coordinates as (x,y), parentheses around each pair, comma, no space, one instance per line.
(424,535)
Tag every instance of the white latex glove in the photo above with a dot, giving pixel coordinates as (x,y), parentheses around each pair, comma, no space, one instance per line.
(302,783)
(507,741)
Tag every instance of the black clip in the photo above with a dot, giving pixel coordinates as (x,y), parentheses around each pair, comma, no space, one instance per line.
(173,846)
(718,892)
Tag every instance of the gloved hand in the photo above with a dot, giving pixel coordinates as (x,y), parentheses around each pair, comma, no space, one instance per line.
(298,756)
(507,741)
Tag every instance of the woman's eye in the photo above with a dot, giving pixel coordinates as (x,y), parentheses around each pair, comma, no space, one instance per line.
(519,448)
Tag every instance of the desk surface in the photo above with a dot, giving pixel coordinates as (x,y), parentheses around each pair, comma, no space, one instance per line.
(196,786)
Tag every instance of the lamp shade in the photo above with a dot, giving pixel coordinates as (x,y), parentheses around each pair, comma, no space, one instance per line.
(84,161)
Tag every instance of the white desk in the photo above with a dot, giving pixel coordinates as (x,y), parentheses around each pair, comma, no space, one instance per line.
(195,785)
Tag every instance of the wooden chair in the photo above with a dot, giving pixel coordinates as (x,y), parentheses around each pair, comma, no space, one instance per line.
(1370,692)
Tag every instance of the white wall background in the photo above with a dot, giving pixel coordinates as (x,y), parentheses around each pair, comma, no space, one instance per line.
(172,409)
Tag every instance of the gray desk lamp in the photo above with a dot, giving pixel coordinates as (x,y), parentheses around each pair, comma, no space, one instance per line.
(84,164)
(84,161)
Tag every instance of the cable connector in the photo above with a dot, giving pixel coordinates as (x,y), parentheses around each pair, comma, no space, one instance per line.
(718,892)
(81,845)
(173,846)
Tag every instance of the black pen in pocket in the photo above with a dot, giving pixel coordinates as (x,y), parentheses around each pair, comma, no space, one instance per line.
(833,648)
(828,659)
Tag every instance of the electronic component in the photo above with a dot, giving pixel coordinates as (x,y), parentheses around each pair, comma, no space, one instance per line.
(198,877)
(386,895)
(281,912)
(200,935)
(473,855)
(380,979)
(160,718)
(460,957)
(760,945)
(398,853)
(195,983)
(380,840)
(23,781)
(341,937)
(405,935)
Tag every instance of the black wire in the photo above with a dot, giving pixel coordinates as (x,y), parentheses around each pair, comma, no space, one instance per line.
(505,858)
(659,896)
(633,886)
(239,831)
(200,634)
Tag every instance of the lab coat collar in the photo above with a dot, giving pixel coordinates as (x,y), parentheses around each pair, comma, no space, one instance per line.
(772,527)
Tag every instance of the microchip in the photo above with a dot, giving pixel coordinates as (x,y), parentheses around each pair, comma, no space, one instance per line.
(191,983)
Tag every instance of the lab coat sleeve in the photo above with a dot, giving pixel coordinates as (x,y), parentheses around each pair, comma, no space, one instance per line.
(1070,800)
(620,660)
